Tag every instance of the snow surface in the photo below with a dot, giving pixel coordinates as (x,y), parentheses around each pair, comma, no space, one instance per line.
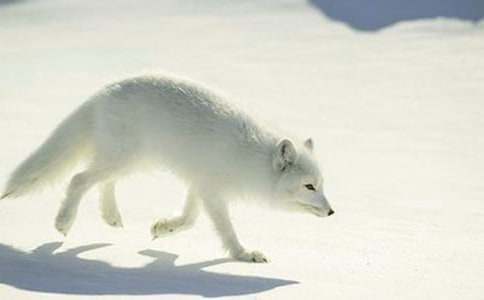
(396,115)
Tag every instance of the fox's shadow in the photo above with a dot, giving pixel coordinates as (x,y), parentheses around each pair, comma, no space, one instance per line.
(66,273)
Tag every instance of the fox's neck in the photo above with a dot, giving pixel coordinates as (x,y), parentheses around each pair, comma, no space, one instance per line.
(257,174)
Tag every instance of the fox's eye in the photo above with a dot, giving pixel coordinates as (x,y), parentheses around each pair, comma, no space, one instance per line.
(310,187)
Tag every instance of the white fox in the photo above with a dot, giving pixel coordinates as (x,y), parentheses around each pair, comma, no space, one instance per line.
(150,121)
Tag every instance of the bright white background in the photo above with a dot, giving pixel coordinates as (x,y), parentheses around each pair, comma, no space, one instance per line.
(396,111)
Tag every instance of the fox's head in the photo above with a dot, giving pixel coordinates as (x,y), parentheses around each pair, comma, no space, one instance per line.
(299,184)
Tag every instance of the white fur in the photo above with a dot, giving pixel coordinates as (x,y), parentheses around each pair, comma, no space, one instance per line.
(218,151)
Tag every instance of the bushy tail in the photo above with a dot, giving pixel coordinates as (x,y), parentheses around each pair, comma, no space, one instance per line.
(69,142)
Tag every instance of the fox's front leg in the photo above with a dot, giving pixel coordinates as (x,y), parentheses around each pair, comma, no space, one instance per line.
(217,211)
(185,221)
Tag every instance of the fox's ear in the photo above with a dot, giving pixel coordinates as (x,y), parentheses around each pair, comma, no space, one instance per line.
(309,144)
(285,155)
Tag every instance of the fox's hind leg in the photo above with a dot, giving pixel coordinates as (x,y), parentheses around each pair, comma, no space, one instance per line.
(185,221)
(107,201)
(78,186)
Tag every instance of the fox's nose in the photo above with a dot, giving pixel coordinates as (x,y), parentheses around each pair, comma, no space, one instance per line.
(330,212)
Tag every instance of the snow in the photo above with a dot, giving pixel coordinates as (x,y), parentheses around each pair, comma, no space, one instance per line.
(396,114)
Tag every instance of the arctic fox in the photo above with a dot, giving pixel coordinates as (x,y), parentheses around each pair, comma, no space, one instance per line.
(220,153)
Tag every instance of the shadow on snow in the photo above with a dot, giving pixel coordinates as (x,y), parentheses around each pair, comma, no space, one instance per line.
(9,2)
(66,273)
(372,15)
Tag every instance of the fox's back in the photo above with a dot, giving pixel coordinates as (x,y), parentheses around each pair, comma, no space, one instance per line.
(166,99)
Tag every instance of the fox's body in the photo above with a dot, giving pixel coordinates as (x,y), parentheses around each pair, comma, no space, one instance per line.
(145,122)
(182,127)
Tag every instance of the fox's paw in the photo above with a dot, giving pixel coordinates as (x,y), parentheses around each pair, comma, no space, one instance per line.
(163,228)
(253,256)
(63,223)
(112,218)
